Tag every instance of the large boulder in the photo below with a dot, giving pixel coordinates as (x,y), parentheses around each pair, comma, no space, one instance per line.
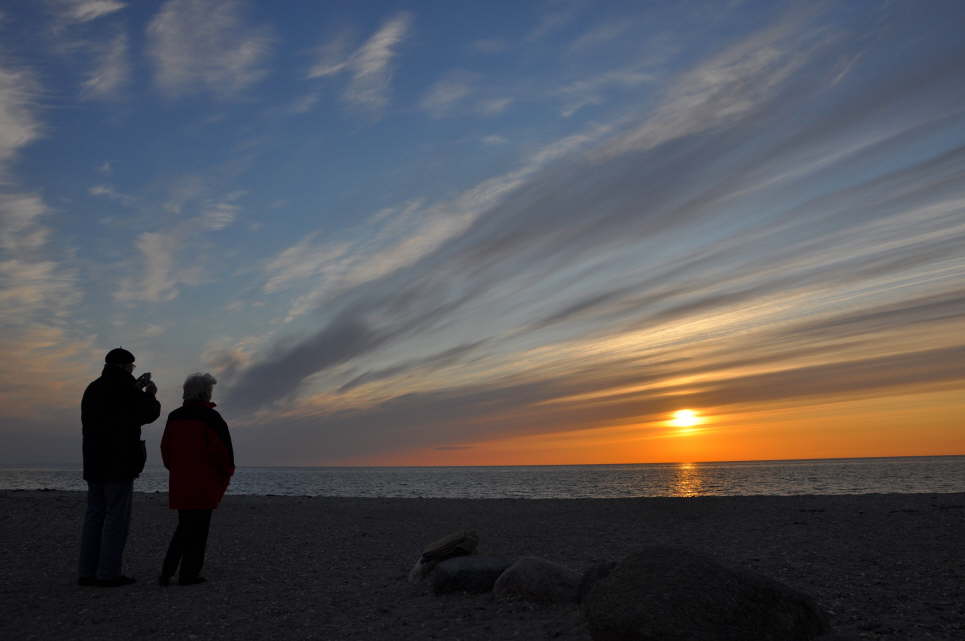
(536,579)
(467,574)
(461,543)
(675,594)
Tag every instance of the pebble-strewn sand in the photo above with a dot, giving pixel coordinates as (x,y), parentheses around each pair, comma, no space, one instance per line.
(885,566)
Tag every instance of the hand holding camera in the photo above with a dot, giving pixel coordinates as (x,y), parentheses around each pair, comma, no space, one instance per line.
(145,383)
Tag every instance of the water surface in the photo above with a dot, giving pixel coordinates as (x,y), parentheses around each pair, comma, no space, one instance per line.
(941,474)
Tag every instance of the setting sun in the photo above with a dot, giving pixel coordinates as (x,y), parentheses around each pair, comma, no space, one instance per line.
(685,418)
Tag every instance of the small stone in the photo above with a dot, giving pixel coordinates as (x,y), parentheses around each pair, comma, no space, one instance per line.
(460,543)
(455,544)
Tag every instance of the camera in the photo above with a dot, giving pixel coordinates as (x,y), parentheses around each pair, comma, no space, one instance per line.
(142,380)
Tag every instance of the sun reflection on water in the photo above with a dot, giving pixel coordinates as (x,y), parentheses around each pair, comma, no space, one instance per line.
(687,480)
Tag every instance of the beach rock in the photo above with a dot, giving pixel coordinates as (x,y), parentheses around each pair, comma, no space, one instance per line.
(676,594)
(474,574)
(461,543)
(536,579)
(592,575)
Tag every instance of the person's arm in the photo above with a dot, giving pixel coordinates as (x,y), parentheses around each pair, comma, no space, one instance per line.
(87,407)
(148,407)
(220,448)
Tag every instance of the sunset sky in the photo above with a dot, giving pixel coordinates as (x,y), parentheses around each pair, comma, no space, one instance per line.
(460,233)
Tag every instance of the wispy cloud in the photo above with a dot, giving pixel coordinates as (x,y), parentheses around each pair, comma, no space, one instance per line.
(19,127)
(370,65)
(19,227)
(601,34)
(107,191)
(558,14)
(160,279)
(169,260)
(371,263)
(306,103)
(305,259)
(202,45)
(432,362)
(80,11)
(343,264)
(495,139)
(221,213)
(186,190)
(32,288)
(494,106)
(591,91)
(154,330)
(43,368)
(729,85)
(334,56)
(112,69)
(446,93)
(27,276)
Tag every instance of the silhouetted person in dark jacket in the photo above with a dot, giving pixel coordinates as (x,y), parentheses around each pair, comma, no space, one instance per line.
(196,449)
(113,409)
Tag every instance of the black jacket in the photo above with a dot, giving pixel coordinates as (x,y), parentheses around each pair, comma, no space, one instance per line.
(112,413)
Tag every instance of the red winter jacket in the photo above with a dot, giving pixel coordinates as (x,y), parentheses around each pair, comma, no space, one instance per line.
(196,449)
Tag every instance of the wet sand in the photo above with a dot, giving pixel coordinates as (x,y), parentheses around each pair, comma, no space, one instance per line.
(884,566)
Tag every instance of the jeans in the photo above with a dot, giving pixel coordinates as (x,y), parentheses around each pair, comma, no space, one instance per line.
(106,524)
(188,544)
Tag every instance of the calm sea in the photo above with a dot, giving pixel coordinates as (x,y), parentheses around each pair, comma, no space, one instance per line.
(825,476)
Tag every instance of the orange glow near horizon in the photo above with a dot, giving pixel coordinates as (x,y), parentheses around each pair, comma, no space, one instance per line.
(869,427)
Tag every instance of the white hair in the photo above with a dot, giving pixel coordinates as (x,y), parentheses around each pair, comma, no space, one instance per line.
(198,387)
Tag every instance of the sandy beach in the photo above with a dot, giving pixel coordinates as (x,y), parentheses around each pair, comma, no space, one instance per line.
(883,566)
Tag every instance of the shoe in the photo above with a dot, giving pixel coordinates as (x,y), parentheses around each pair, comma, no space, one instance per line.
(87,580)
(164,580)
(115,582)
(191,580)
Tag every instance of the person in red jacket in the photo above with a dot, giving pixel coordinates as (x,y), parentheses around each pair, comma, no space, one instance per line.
(196,450)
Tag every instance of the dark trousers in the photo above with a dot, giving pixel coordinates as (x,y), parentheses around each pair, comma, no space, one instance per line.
(188,544)
(106,523)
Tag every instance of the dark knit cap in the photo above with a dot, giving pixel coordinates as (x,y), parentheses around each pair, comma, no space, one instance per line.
(119,356)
